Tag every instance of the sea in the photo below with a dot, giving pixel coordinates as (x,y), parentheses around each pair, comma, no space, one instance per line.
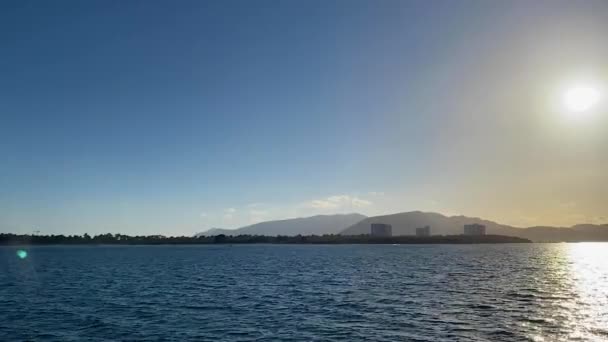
(506,292)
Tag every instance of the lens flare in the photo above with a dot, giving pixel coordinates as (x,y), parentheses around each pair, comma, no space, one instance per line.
(22,254)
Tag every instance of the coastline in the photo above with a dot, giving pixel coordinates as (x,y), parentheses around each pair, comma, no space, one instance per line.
(17,240)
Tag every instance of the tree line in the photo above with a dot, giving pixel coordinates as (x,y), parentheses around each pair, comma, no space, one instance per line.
(121,239)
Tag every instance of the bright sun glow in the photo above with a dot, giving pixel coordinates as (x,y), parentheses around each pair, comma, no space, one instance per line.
(581,98)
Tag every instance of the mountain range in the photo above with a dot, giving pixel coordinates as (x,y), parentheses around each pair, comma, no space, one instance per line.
(406,224)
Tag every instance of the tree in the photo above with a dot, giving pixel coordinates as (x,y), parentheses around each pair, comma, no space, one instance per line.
(219,238)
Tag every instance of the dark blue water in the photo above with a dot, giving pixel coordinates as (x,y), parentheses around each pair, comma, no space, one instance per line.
(539,292)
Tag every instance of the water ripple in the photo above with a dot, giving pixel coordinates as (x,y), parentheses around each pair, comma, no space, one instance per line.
(539,292)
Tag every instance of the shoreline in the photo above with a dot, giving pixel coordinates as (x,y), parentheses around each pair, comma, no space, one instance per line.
(119,240)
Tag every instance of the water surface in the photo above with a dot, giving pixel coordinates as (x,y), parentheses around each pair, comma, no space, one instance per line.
(535,292)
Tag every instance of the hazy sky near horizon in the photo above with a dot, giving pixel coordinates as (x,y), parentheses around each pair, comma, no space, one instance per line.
(172,117)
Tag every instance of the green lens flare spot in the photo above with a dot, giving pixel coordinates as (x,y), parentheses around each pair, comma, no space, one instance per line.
(22,254)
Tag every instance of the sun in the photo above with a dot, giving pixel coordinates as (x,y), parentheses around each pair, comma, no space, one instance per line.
(580,99)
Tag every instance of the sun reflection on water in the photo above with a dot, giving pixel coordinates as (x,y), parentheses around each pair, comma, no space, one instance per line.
(588,265)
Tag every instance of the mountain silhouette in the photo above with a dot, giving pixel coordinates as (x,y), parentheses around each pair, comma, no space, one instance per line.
(579,232)
(314,225)
(407,222)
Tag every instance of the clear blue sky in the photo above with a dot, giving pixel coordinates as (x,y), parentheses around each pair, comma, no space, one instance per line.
(172,117)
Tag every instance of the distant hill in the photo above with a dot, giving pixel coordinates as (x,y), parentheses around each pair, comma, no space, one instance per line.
(314,225)
(406,224)
(579,232)
(216,231)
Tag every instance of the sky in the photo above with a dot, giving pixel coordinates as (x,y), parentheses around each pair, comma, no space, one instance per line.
(172,117)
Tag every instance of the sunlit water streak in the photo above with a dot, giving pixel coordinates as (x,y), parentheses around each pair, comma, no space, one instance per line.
(538,292)
(588,265)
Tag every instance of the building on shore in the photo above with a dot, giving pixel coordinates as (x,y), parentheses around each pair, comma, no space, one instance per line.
(474,229)
(423,231)
(381,230)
